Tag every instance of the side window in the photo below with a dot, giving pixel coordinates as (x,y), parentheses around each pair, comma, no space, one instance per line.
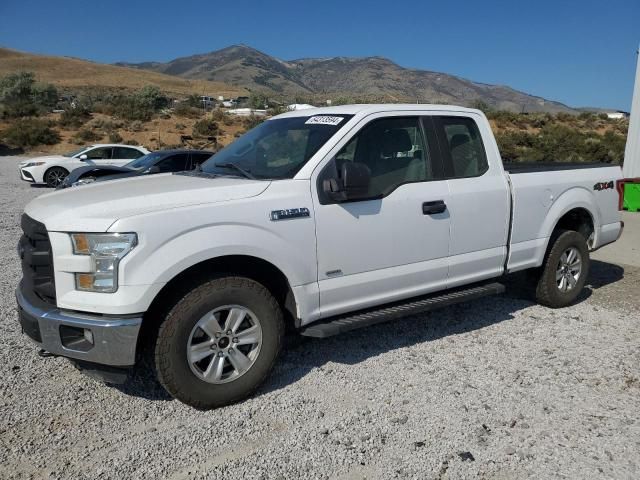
(125,153)
(100,153)
(174,163)
(395,151)
(199,159)
(463,148)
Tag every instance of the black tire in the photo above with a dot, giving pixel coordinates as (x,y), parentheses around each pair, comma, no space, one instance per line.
(548,292)
(55,176)
(170,351)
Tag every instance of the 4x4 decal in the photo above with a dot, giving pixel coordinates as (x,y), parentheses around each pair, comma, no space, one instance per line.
(603,186)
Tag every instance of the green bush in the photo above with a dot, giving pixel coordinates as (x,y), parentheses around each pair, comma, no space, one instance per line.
(21,96)
(560,143)
(205,128)
(140,105)
(30,132)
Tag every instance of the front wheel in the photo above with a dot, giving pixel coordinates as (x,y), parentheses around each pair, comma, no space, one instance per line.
(564,271)
(219,343)
(55,176)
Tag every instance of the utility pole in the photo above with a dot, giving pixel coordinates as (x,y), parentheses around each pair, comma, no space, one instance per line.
(631,167)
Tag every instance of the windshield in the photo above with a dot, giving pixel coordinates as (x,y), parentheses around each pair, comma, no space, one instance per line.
(275,149)
(145,161)
(75,152)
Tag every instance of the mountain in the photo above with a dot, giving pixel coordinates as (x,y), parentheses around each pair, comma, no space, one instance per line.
(76,73)
(368,78)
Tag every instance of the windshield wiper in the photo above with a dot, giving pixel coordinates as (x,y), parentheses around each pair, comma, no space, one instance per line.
(233,166)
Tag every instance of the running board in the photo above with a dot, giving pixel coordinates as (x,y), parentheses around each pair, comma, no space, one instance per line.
(366,318)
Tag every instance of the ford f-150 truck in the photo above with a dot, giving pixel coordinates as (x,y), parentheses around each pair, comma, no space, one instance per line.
(320,221)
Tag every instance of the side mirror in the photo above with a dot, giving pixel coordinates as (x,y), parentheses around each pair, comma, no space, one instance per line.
(353,183)
(83,157)
(153,169)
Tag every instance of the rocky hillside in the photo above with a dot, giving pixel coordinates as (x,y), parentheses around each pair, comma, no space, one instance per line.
(352,79)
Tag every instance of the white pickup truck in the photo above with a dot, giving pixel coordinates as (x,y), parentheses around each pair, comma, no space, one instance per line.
(318,221)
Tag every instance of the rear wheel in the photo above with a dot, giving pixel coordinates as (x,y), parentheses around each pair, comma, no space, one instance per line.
(219,343)
(55,176)
(564,271)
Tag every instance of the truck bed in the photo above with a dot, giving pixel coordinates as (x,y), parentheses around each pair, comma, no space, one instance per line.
(543,193)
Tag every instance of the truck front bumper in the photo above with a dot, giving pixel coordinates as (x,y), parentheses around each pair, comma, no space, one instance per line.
(101,339)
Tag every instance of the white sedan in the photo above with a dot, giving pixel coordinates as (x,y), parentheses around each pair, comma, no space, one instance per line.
(53,169)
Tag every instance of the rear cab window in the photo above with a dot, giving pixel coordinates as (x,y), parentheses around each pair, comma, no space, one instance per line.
(461,146)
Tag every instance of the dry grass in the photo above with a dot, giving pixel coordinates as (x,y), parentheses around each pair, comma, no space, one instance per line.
(74,73)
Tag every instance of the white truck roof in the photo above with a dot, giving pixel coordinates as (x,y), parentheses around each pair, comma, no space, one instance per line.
(375,108)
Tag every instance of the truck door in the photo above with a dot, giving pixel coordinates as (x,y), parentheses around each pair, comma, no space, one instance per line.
(479,205)
(394,243)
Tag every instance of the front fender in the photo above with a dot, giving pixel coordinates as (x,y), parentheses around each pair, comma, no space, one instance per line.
(216,240)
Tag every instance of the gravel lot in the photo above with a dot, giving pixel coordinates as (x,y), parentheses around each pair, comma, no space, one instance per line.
(497,388)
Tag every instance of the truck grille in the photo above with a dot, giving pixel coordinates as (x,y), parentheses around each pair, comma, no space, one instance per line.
(37,260)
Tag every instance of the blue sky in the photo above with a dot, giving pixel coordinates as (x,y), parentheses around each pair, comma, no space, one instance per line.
(578,52)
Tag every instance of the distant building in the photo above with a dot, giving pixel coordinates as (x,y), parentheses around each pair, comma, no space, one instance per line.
(617,115)
(299,106)
(247,112)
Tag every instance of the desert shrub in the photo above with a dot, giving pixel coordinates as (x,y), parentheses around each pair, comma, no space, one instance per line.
(205,128)
(180,126)
(565,117)
(193,100)
(219,115)
(114,137)
(30,132)
(258,101)
(74,117)
(185,110)
(251,121)
(136,126)
(85,135)
(560,143)
(140,105)
(21,96)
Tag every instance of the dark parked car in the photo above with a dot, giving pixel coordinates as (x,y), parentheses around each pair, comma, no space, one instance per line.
(155,162)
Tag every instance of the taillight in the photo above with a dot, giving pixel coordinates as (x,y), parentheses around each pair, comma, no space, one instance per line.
(620,189)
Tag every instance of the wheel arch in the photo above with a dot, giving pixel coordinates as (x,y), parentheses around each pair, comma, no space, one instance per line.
(579,219)
(248,266)
(49,168)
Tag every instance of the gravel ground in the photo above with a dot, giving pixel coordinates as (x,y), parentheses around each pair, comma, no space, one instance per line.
(497,388)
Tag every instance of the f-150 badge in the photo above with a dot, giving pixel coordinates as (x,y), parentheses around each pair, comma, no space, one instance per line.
(289,214)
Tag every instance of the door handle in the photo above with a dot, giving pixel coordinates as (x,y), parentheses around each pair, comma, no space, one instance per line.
(431,208)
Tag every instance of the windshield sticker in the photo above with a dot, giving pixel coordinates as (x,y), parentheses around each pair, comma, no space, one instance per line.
(324,120)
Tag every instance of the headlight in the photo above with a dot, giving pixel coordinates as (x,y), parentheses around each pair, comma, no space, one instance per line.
(33,164)
(106,250)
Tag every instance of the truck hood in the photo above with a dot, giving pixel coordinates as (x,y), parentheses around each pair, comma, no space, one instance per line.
(95,207)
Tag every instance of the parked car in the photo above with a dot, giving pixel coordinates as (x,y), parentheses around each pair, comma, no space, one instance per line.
(52,169)
(322,221)
(155,162)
